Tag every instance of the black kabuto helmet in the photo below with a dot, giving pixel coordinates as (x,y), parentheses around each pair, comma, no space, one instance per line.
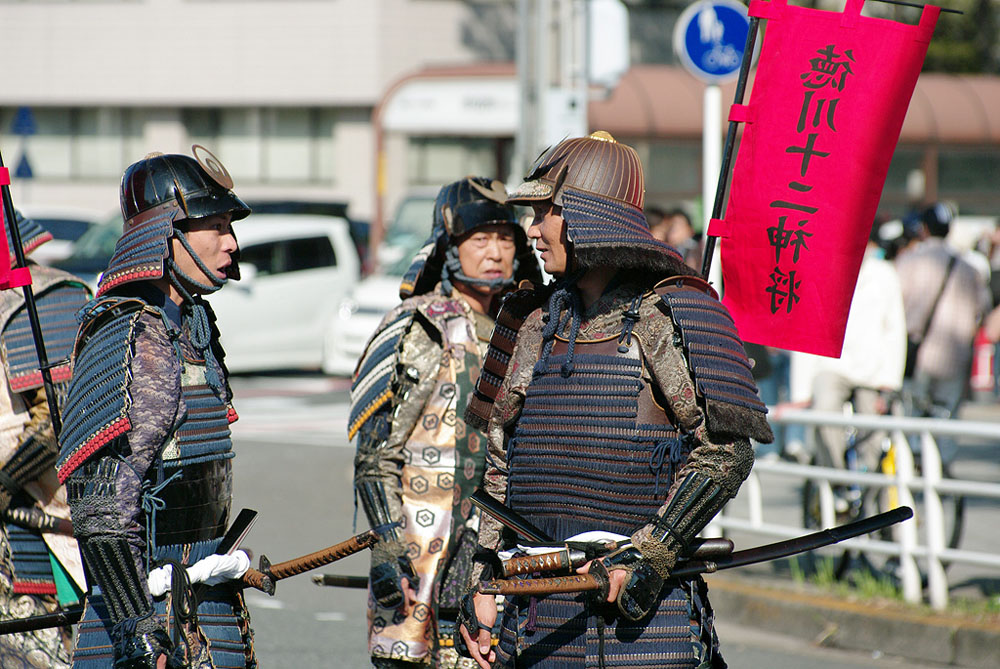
(158,192)
(461,207)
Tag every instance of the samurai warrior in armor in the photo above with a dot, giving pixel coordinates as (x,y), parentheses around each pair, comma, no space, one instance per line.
(416,461)
(145,447)
(622,401)
(40,568)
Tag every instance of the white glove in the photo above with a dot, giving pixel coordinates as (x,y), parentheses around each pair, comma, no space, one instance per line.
(210,570)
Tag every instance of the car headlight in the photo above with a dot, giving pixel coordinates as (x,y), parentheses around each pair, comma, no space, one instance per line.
(348,308)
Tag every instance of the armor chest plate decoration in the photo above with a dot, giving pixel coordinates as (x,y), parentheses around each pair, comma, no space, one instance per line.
(196,484)
(591,450)
(444,463)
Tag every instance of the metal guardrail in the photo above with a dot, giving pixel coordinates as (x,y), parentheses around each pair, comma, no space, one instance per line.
(921,538)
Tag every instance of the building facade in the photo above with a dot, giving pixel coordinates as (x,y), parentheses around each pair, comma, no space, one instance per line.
(363,101)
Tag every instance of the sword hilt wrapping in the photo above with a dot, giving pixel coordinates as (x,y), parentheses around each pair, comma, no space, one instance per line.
(259,580)
(321,557)
(531,564)
(596,581)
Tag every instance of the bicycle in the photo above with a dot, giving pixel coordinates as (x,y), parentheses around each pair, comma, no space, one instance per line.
(859,501)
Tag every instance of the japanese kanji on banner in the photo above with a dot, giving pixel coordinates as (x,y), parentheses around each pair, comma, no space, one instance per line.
(824,116)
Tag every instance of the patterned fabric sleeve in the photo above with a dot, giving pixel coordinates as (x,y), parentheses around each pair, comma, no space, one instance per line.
(380,457)
(111,506)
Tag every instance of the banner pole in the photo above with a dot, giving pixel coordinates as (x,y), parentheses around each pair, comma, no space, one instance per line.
(32,310)
(727,154)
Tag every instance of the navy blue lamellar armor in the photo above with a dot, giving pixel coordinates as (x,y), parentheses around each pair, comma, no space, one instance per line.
(716,357)
(196,486)
(57,306)
(600,419)
(97,411)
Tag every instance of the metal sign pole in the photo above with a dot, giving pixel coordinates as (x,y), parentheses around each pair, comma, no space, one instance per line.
(727,154)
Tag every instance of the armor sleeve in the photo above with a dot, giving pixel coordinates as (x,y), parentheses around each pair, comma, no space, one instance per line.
(408,361)
(35,453)
(718,462)
(715,359)
(382,437)
(105,493)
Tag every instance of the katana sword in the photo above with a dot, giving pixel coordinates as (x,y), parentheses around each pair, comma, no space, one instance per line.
(572,554)
(568,557)
(597,579)
(268,574)
(509,517)
(33,518)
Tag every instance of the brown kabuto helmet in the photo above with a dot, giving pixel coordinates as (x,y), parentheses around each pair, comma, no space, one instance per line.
(599,184)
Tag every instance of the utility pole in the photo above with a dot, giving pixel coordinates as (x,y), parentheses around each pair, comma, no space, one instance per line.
(552,66)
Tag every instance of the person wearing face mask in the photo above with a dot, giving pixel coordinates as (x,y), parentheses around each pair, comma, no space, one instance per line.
(416,460)
(620,401)
(145,447)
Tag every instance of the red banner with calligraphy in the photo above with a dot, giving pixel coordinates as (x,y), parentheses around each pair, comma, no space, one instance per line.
(828,101)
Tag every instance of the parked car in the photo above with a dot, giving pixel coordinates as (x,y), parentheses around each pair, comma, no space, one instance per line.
(366,303)
(92,251)
(67,225)
(296,271)
(359,229)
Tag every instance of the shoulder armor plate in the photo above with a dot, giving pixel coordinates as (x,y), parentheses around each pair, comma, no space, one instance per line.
(716,357)
(97,406)
(516,308)
(57,306)
(373,380)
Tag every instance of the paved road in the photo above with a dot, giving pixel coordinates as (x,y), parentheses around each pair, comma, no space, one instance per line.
(294,465)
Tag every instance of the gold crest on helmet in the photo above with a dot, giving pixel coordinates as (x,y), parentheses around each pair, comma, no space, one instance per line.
(212,166)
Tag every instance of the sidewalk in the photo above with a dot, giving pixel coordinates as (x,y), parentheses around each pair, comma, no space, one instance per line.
(804,611)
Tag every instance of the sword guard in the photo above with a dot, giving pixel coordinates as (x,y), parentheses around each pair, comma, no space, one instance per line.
(600,572)
(264,565)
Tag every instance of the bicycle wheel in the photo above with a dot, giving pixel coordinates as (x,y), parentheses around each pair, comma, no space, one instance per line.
(953,507)
(811,561)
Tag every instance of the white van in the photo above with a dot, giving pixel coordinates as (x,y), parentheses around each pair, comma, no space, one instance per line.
(296,269)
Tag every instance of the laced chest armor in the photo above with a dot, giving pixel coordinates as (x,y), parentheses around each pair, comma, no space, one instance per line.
(592,449)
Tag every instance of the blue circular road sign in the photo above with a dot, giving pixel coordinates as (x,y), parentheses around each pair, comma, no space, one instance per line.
(710,37)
